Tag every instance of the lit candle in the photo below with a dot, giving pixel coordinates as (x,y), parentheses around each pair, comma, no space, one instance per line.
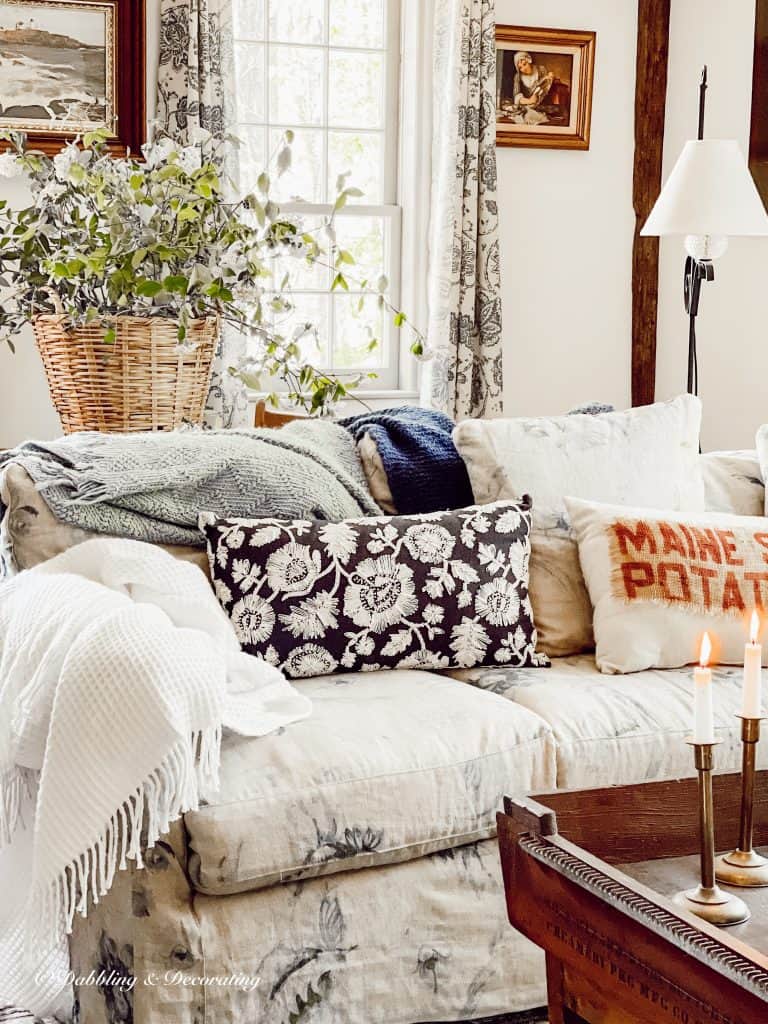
(703,719)
(751,706)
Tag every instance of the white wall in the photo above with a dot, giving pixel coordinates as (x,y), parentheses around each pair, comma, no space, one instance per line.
(566,232)
(567,324)
(732,327)
(25,404)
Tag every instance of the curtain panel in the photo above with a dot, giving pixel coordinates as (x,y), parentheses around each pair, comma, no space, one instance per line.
(195,90)
(464,376)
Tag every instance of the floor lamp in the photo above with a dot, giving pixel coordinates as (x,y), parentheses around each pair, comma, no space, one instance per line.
(709,196)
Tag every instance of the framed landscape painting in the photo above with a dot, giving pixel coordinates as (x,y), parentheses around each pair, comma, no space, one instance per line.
(544,87)
(70,66)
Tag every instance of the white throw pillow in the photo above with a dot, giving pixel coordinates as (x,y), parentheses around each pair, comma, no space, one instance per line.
(733,482)
(658,580)
(761,443)
(646,456)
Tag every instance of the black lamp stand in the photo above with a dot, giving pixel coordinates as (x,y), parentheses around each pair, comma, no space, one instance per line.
(696,271)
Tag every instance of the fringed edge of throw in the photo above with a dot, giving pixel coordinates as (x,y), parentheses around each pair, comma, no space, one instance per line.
(82,492)
(189,771)
(15,786)
(72,475)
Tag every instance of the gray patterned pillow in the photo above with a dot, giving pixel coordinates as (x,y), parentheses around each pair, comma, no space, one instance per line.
(448,589)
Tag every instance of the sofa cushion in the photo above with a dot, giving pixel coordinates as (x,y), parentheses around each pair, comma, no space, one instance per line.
(761,443)
(733,483)
(375,474)
(390,766)
(618,730)
(647,456)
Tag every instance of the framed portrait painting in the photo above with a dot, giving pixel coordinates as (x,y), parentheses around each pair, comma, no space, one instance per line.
(544,87)
(71,66)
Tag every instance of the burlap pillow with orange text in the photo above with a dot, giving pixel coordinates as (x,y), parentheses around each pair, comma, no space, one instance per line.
(658,580)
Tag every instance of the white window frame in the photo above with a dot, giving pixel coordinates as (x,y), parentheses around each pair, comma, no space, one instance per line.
(389,381)
(415,178)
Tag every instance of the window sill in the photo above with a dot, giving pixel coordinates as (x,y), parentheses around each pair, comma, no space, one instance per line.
(364,394)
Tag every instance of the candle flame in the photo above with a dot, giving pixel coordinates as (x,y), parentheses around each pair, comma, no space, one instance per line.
(706,651)
(754,628)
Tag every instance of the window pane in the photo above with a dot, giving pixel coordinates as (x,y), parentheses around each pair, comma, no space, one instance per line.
(304,179)
(249,75)
(363,237)
(357,23)
(253,156)
(249,19)
(296,21)
(356,89)
(360,153)
(354,330)
(308,309)
(320,68)
(296,85)
(303,275)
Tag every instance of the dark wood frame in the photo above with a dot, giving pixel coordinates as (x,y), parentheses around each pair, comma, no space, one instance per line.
(758,129)
(650,102)
(586,42)
(130,90)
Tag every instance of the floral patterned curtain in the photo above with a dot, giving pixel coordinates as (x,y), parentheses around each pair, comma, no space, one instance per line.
(464,376)
(194,91)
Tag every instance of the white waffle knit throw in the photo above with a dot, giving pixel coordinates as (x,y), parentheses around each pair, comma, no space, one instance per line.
(118,670)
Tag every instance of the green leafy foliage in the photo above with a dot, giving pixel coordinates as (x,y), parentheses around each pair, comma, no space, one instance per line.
(165,235)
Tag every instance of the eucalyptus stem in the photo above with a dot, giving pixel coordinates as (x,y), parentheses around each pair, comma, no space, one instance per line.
(160,237)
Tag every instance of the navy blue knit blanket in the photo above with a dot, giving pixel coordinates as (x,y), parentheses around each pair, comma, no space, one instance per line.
(423,467)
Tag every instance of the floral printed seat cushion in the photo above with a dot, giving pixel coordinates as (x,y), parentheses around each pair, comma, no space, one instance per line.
(389,766)
(431,591)
(620,730)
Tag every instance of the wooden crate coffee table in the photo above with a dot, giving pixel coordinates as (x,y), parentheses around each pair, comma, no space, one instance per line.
(589,877)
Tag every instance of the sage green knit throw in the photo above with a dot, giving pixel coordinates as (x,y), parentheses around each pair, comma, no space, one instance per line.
(152,487)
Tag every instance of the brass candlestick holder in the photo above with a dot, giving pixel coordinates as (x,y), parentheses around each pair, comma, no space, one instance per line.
(708,901)
(743,866)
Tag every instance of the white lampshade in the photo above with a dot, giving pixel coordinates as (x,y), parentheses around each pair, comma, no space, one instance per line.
(709,192)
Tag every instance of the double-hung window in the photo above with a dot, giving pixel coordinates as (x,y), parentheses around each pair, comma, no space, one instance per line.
(328,70)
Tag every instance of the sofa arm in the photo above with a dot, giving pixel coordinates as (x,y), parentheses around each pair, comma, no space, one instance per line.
(29,531)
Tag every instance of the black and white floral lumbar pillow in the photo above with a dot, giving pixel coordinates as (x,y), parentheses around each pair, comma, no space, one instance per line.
(448,589)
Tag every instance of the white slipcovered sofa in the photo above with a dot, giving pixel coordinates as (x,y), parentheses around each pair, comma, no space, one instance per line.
(348,871)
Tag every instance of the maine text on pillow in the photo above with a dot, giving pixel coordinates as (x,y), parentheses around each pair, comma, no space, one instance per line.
(704,568)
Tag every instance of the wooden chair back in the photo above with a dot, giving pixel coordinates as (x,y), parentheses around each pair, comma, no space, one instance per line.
(271,418)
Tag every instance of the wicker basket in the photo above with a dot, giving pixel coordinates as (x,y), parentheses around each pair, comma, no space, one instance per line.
(142,381)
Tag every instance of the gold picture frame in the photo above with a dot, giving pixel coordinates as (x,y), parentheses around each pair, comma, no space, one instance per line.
(544,84)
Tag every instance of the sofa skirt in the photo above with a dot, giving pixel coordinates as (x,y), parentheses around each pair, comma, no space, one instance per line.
(424,941)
